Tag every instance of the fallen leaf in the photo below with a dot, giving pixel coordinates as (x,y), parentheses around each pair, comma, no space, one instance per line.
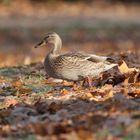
(53,107)
(10,101)
(64,91)
(125,69)
(5,112)
(102,95)
(17,83)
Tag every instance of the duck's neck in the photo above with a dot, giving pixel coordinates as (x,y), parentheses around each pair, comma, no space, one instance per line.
(56,47)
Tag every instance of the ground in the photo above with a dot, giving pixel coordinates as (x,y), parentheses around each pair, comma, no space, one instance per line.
(34,107)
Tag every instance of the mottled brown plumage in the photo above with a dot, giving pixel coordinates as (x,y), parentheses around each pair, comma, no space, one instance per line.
(71,66)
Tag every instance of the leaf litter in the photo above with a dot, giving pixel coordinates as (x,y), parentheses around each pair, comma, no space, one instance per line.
(32,106)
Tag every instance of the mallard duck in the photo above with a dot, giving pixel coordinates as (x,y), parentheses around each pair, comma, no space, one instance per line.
(71,66)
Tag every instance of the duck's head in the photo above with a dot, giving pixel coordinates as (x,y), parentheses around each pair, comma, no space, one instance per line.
(51,39)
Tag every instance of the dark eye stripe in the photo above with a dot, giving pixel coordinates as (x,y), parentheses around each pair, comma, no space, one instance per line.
(46,37)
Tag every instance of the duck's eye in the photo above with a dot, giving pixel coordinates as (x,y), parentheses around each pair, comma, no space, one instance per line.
(47,37)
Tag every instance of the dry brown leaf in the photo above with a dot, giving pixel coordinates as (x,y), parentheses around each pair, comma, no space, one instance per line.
(38,128)
(24,90)
(5,129)
(107,86)
(136,77)
(18,83)
(64,91)
(102,96)
(10,101)
(5,113)
(126,81)
(125,69)
(84,135)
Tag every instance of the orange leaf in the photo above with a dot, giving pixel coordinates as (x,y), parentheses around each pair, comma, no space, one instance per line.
(125,69)
(17,83)
(10,101)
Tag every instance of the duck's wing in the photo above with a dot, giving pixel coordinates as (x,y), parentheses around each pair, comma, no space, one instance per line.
(89,57)
(81,61)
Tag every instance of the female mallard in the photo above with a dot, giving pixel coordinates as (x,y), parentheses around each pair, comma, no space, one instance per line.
(71,66)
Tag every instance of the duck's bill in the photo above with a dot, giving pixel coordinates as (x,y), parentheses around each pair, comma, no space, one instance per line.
(40,44)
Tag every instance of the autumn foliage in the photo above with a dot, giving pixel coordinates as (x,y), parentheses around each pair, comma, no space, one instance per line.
(36,106)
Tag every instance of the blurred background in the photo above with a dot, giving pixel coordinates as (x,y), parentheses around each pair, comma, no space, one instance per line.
(103,27)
